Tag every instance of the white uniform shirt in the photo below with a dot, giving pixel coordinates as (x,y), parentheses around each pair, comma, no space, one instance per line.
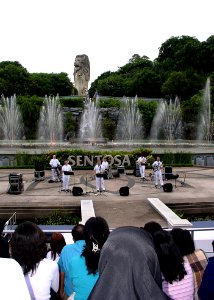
(157,165)
(99,169)
(141,160)
(105,165)
(66,168)
(54,162)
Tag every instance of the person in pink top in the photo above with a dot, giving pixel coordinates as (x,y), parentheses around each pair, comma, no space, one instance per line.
(177,275)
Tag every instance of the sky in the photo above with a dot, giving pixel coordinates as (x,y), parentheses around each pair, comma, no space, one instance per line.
(46,35)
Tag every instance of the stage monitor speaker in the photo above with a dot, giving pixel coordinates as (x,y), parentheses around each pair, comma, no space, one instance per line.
(77,191)
(124,191)
(39,175)
(167,187)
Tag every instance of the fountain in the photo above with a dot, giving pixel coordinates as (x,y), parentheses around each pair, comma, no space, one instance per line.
(167,121)
(130,126)
(51,121)
(203,130)
(10,119)
(90,125)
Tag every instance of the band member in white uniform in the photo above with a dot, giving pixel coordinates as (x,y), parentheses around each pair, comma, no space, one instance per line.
(65,178)
(99,168)
(54,163)
(142,165)
(157,167)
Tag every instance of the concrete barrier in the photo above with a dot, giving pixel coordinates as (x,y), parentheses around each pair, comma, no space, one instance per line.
(87,210)
(172,219)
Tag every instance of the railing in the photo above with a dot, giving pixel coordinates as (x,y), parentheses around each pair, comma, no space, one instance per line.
(9,225)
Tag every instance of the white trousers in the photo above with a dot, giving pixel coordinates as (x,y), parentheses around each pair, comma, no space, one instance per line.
(142,170)
(158,175)
(65,181)
(54,173)
(100,183)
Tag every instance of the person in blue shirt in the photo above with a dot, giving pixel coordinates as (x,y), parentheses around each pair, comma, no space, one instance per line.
(84,268)
(68,252)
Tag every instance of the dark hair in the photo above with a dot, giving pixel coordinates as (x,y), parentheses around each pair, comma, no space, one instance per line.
(183,240)
(96,232)
(152,227)
(28,246)
(78,232)
(57,242)
(169,256)
(213,244)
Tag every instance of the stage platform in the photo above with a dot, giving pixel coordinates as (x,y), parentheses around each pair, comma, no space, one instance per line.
(195,185)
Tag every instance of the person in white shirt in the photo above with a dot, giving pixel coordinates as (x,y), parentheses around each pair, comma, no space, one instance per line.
(66,178)
(99,168)
(13,285)
(29,249)
(142,165)
(157,167)
(54,163)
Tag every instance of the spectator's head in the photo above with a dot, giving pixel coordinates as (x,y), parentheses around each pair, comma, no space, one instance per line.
(183,240)
(128,267)
(152,227)
(170,258)
(57,243)
(96,232)
(28,246)
(78,232)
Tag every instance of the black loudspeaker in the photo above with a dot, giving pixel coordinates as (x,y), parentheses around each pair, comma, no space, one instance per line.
(167,187)
(168,173)
(124,191)
(16,185)
(77,191)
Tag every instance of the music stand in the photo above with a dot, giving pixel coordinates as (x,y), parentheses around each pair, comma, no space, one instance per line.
(66,173)
(100,175)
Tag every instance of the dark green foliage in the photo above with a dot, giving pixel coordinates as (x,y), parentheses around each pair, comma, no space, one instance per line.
(70,126)
(148,109)
(109,102)
(72,102)
(109,128)
(58,218)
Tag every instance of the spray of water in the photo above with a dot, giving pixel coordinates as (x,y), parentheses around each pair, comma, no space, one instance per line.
(204,125)
(167,123)
(10,119)
(90,125)
(51,120)
(130,125)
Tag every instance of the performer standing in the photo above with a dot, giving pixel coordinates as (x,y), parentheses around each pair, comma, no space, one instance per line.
(54,163)
(142,165)
(65,178)
(157,167)
(99,168)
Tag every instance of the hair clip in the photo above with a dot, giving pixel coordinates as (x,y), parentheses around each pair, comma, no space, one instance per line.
(95,248)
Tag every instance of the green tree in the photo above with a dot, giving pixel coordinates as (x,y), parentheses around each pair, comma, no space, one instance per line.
(147,109)
(70,126)
(14,79)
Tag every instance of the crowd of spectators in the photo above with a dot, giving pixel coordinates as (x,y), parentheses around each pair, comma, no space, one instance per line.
(147,263)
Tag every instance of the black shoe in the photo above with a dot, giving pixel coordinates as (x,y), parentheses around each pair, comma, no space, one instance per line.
(156,186)
(63,190)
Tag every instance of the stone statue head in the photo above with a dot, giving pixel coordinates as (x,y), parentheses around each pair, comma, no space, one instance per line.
(81,74)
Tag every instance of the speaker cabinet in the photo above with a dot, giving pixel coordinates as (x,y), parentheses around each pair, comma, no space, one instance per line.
(167,187)
(39,167)
(39,175)
(77,191)
(168,172)
(16,185)
(124,191)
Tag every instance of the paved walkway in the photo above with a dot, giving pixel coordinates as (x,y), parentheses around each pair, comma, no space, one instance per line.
(195,185)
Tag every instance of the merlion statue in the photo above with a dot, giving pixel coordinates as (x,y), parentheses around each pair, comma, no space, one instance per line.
(81,74)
